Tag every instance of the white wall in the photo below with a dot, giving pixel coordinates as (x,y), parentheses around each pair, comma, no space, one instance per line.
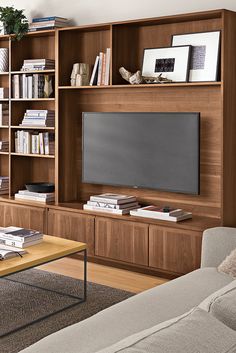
(97,11)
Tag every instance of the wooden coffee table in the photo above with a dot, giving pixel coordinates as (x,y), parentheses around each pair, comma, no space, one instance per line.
(51,249)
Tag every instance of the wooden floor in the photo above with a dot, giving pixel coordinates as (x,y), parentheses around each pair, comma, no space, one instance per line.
(109,276)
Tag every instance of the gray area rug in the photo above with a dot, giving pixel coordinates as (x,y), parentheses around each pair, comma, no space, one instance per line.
(20,304)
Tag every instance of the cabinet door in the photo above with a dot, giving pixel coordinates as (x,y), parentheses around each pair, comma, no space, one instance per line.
(23,216)
(121,240)
(174,250)
(72,226)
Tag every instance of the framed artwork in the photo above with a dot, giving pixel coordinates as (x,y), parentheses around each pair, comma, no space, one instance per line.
(171,62)
(204,56)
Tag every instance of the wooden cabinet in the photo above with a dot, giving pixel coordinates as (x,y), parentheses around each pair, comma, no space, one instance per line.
(22,216)
(174,250)
(72,226)
(121,240)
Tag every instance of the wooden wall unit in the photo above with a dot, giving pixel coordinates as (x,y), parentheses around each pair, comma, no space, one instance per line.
(167,248)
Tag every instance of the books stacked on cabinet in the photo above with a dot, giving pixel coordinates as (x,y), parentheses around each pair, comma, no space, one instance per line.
(112,203)
(4,185)
(4,114)
(34,142)
(38,64)
(42,118)
(28,86)
(47,23)
(162,213)
(25,195)
(20,237)
(101,70)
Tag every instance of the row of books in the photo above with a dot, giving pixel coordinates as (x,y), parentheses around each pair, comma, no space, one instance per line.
(26,195)
(4,146)
(46,23)
(20,237)
(42,118)
(4,114)
(4,185)
(33,142)
(101,70)
(4,92)
(32,86)
(112,203)
(38,64)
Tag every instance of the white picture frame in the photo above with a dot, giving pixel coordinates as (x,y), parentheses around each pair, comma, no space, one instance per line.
(204,61)
(171,62)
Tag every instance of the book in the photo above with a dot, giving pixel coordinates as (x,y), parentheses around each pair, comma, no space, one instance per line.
(94,76)
(113,206)
(17,233)
(107,68)
(116,199)
(165,211)
(100,66)
(163,217)
(50,18)
(33,198)
(8,252)
(4,92)
(108,210)
(21,245)
(4,237)
(37,194)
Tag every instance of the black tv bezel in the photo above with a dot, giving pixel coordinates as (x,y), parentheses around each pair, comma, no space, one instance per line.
(141,186)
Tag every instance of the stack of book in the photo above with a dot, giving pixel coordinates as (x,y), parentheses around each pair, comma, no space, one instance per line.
(20,237)
(26,195)
(101,70)
(38,64)
(32,86)
(34,142)
(4,146)
(42,118)
(4,185)
(162,213)
(112,203)
(46,23)
(4,92)
(4,114)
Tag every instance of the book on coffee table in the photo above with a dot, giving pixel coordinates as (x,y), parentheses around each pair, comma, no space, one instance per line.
(7,252)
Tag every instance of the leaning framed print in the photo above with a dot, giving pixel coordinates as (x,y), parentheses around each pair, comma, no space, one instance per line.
(171,62)
(205,54)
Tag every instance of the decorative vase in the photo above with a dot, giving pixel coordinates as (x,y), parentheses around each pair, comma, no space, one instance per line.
(4,59)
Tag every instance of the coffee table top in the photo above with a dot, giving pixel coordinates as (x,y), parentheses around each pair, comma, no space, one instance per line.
(52,248)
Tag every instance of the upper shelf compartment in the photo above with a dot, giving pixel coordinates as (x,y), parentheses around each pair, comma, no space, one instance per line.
(81,45)
(130,39)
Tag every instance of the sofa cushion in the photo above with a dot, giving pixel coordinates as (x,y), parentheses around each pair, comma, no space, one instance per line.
(196,331)
(222,305)
(228,266)
(135,314)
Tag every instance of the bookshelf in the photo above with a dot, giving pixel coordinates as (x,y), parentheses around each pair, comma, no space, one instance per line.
(214,100)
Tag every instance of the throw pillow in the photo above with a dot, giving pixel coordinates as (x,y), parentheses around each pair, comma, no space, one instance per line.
(228,266)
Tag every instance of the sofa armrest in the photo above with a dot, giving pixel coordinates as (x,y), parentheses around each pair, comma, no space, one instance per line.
(217,243)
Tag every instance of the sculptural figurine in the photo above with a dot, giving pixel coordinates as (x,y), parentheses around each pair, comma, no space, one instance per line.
(80,74)
(137,78)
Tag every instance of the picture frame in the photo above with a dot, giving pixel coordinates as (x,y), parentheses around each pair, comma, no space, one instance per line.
(204,62)
(171,62)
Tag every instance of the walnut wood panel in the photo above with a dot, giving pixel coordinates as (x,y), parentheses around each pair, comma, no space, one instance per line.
(206,100)
(174,250)
(23,216)
(119,240)
(72,226)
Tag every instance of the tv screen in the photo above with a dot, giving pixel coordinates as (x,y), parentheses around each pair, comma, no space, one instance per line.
(142,150)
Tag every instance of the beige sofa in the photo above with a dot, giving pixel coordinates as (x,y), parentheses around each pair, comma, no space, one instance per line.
(149,308)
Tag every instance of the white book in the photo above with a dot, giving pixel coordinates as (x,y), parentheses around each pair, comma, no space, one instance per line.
(24,86)
(46,142)
(21,240)
(116,199)
(7,252)
(33,198)
(107,69)
(93,76)
(113,206)
(37,194)
(165,211)
(41,143)
(101,55)
(185,215)
(108,210)
(19,244)
(30,87)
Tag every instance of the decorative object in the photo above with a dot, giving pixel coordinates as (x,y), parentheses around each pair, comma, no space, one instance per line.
(40,187)
(80,74)
(4,59)
(204,55)
(171,61)
(14,21)
(100,297)
(228,266)
(137,78)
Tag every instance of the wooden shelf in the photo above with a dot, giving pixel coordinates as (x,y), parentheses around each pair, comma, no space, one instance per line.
(32,72)
(4,99)
(32,99)
(32,127)
(33,155)
(4,73)
(4,153)
(185,84)
(4,127)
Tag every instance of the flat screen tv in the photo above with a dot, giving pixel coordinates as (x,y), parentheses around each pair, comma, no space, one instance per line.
(142,150)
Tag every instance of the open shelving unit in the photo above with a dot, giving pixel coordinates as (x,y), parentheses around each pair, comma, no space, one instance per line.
(145,245)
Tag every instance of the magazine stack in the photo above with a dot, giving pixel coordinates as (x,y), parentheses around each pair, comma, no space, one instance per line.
(162,213)
(20,237)
(112,203)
